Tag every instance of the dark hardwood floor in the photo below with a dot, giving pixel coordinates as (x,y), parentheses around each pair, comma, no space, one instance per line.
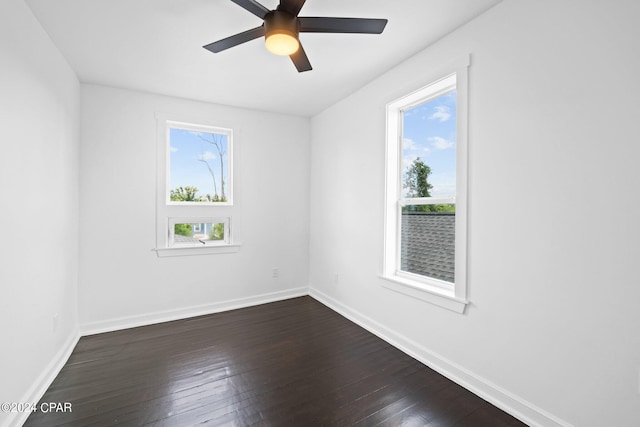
(288,363)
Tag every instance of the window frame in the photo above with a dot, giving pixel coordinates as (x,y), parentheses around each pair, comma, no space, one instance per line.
(198,221)
(452,296)
(169,213)
(203,128)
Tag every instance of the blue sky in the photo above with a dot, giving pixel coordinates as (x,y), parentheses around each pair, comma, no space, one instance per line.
(429,132)
(186,150)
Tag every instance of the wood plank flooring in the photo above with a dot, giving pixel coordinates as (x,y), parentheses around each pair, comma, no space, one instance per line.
(287,363)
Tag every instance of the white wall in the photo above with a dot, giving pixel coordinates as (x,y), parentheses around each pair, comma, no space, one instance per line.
(552,331)
(39,117)
(122,281)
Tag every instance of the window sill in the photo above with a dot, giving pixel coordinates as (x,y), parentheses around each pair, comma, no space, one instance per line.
(430,294)
(204,204)
(198,250)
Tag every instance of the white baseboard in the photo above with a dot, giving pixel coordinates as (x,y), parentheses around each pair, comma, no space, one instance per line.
(44,380)
(186,312)
(514,405)
(51,371)
(508,402)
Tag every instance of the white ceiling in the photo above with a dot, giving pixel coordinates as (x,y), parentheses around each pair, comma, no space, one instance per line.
(156,46)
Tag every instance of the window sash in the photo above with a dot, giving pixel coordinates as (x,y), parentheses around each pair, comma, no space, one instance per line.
(427,280)
(171,240)
(170,124)
(419,201)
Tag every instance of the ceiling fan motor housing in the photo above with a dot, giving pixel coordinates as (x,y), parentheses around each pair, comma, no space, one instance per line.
(280,22)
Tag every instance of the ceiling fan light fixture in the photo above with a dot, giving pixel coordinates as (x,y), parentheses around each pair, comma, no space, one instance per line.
(282,44)
(281,33)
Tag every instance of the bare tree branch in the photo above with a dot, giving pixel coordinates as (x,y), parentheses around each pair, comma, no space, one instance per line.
(218,144)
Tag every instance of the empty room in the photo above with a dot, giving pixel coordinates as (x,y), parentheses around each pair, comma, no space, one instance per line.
(320,213)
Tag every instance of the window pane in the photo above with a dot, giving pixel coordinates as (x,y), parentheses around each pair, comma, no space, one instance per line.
(429,148)
(198,166)
(198,233)
(427,241)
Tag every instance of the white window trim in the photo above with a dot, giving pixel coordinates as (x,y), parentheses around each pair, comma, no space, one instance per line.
(450,296)
(193,212)
(204,250)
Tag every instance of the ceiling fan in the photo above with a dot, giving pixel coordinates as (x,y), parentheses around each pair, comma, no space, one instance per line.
(282,26)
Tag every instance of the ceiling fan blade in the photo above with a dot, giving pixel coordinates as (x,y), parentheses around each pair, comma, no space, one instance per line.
(341,25)
(300,60)
(291,6)
(252,6)
(235,40)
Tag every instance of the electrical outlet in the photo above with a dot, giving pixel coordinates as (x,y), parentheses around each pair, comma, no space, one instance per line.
(275,273)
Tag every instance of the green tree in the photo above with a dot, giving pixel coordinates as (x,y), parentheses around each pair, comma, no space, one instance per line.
(183,230)
(416,181)
(217,232)
(442,208)
(184,194)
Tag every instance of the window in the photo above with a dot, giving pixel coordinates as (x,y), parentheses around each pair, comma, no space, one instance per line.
(183,232)
(425,217)
(199,164)
(195,206)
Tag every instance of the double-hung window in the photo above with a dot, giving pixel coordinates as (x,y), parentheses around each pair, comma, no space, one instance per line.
(426,191)
(194,188)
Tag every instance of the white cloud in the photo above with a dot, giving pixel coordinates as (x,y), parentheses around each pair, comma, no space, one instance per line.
(207,155)
(442,113)
(408,144)
(173,149)
(447,188)
(440,143)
